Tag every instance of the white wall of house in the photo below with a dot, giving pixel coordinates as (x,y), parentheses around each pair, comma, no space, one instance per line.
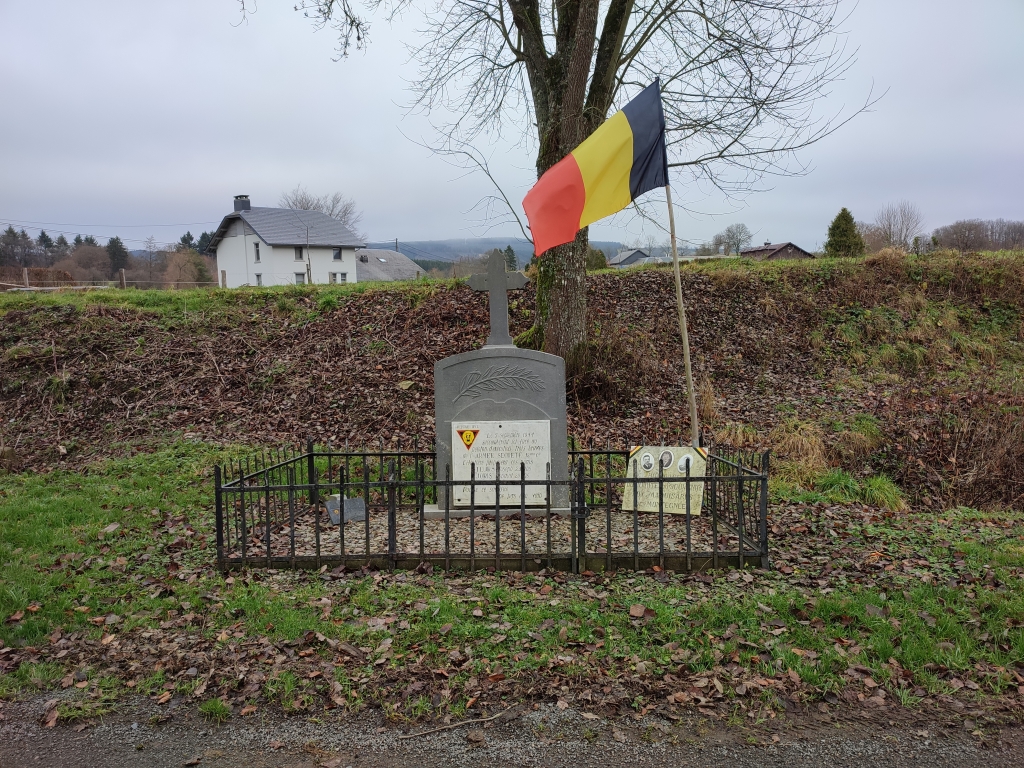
(237,257)
(282,268)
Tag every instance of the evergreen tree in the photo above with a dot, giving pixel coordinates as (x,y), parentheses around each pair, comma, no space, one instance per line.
(204,241)
(62,243)
(78,241)
(511,261)
(188,242)
(118,255)
(44,240)
(9,247)
(89,240)
(596,259)
(843,237)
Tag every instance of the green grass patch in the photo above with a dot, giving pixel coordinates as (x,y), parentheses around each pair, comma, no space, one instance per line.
(215,710)
(521,626)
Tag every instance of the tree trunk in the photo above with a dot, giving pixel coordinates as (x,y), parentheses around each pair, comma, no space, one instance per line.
(559,85)
(560,326)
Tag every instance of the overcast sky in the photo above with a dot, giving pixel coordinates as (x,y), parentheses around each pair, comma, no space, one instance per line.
(142,118)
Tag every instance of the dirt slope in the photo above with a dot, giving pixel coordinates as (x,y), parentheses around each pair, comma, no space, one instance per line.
(772,344)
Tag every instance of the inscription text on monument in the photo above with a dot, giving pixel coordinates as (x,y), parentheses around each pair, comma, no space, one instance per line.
(509,444)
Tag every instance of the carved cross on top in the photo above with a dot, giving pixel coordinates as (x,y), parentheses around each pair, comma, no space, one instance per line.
(497,281)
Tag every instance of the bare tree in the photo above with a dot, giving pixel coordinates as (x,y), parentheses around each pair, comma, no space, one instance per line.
(872,236)
(899,223)
(963,236)
(740,79)
(735,238)
(1005,235)
(337,206)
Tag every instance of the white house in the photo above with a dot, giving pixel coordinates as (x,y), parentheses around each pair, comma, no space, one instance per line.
(281,246)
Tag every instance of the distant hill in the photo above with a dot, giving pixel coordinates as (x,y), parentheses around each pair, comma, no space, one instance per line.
(425,251)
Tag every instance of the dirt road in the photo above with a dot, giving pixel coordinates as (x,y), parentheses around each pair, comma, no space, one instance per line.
(544,736)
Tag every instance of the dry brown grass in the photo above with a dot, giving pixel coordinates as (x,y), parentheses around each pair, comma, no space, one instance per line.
(801,448)
(737,435)
(706,405)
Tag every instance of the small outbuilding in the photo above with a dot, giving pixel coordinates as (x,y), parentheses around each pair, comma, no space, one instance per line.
(772,251)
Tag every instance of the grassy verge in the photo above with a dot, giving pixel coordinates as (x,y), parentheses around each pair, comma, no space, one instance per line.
(107,587)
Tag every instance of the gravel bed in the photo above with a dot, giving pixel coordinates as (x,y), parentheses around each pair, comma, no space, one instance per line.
(360,538)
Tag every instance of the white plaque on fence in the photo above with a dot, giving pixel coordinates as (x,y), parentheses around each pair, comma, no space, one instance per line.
(487,444)
(674,461)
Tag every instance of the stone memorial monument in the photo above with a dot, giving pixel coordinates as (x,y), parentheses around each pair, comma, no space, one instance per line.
(500,407)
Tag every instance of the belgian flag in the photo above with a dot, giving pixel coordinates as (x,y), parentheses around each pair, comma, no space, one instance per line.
(620,161)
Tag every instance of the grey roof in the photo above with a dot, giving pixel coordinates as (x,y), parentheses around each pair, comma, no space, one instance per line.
(627,256)
(385,265)
(284,226)
(772,249)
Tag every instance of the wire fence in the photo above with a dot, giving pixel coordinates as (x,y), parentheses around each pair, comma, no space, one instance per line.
(392,508)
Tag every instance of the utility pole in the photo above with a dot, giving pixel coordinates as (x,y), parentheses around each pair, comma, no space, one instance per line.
(309,260)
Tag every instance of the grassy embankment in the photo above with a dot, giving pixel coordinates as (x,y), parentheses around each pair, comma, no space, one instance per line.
(944,618)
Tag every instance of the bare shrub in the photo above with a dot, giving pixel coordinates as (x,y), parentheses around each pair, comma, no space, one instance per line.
(87,263)
(981,448)
(610,367)
(888,264)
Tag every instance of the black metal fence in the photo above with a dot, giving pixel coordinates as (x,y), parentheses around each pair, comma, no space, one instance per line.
(272,512)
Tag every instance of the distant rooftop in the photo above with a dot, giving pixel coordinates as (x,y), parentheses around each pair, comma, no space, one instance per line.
(381,264)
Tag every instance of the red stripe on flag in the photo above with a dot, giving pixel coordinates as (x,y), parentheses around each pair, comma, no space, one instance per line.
(555,204)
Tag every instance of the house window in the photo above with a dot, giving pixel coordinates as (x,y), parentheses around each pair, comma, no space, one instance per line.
(338,277)
(337,254)
(256,251)
(300,278)
(298,253)
(259,278)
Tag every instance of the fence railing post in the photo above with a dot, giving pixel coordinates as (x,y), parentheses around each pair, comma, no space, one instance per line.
(392,515)
(764,510)
(581,516)
(714,513)
(219,514)
(314,489)
(740,472)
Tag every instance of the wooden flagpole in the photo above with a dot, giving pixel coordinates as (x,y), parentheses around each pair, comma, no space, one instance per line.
(694,426)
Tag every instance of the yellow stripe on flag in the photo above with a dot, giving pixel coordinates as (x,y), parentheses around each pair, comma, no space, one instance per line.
(605,160)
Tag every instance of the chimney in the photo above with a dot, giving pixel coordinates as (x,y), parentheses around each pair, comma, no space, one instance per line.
(241,203)
(767,243)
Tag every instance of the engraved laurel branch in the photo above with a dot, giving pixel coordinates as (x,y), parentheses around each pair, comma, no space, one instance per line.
(499,377)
